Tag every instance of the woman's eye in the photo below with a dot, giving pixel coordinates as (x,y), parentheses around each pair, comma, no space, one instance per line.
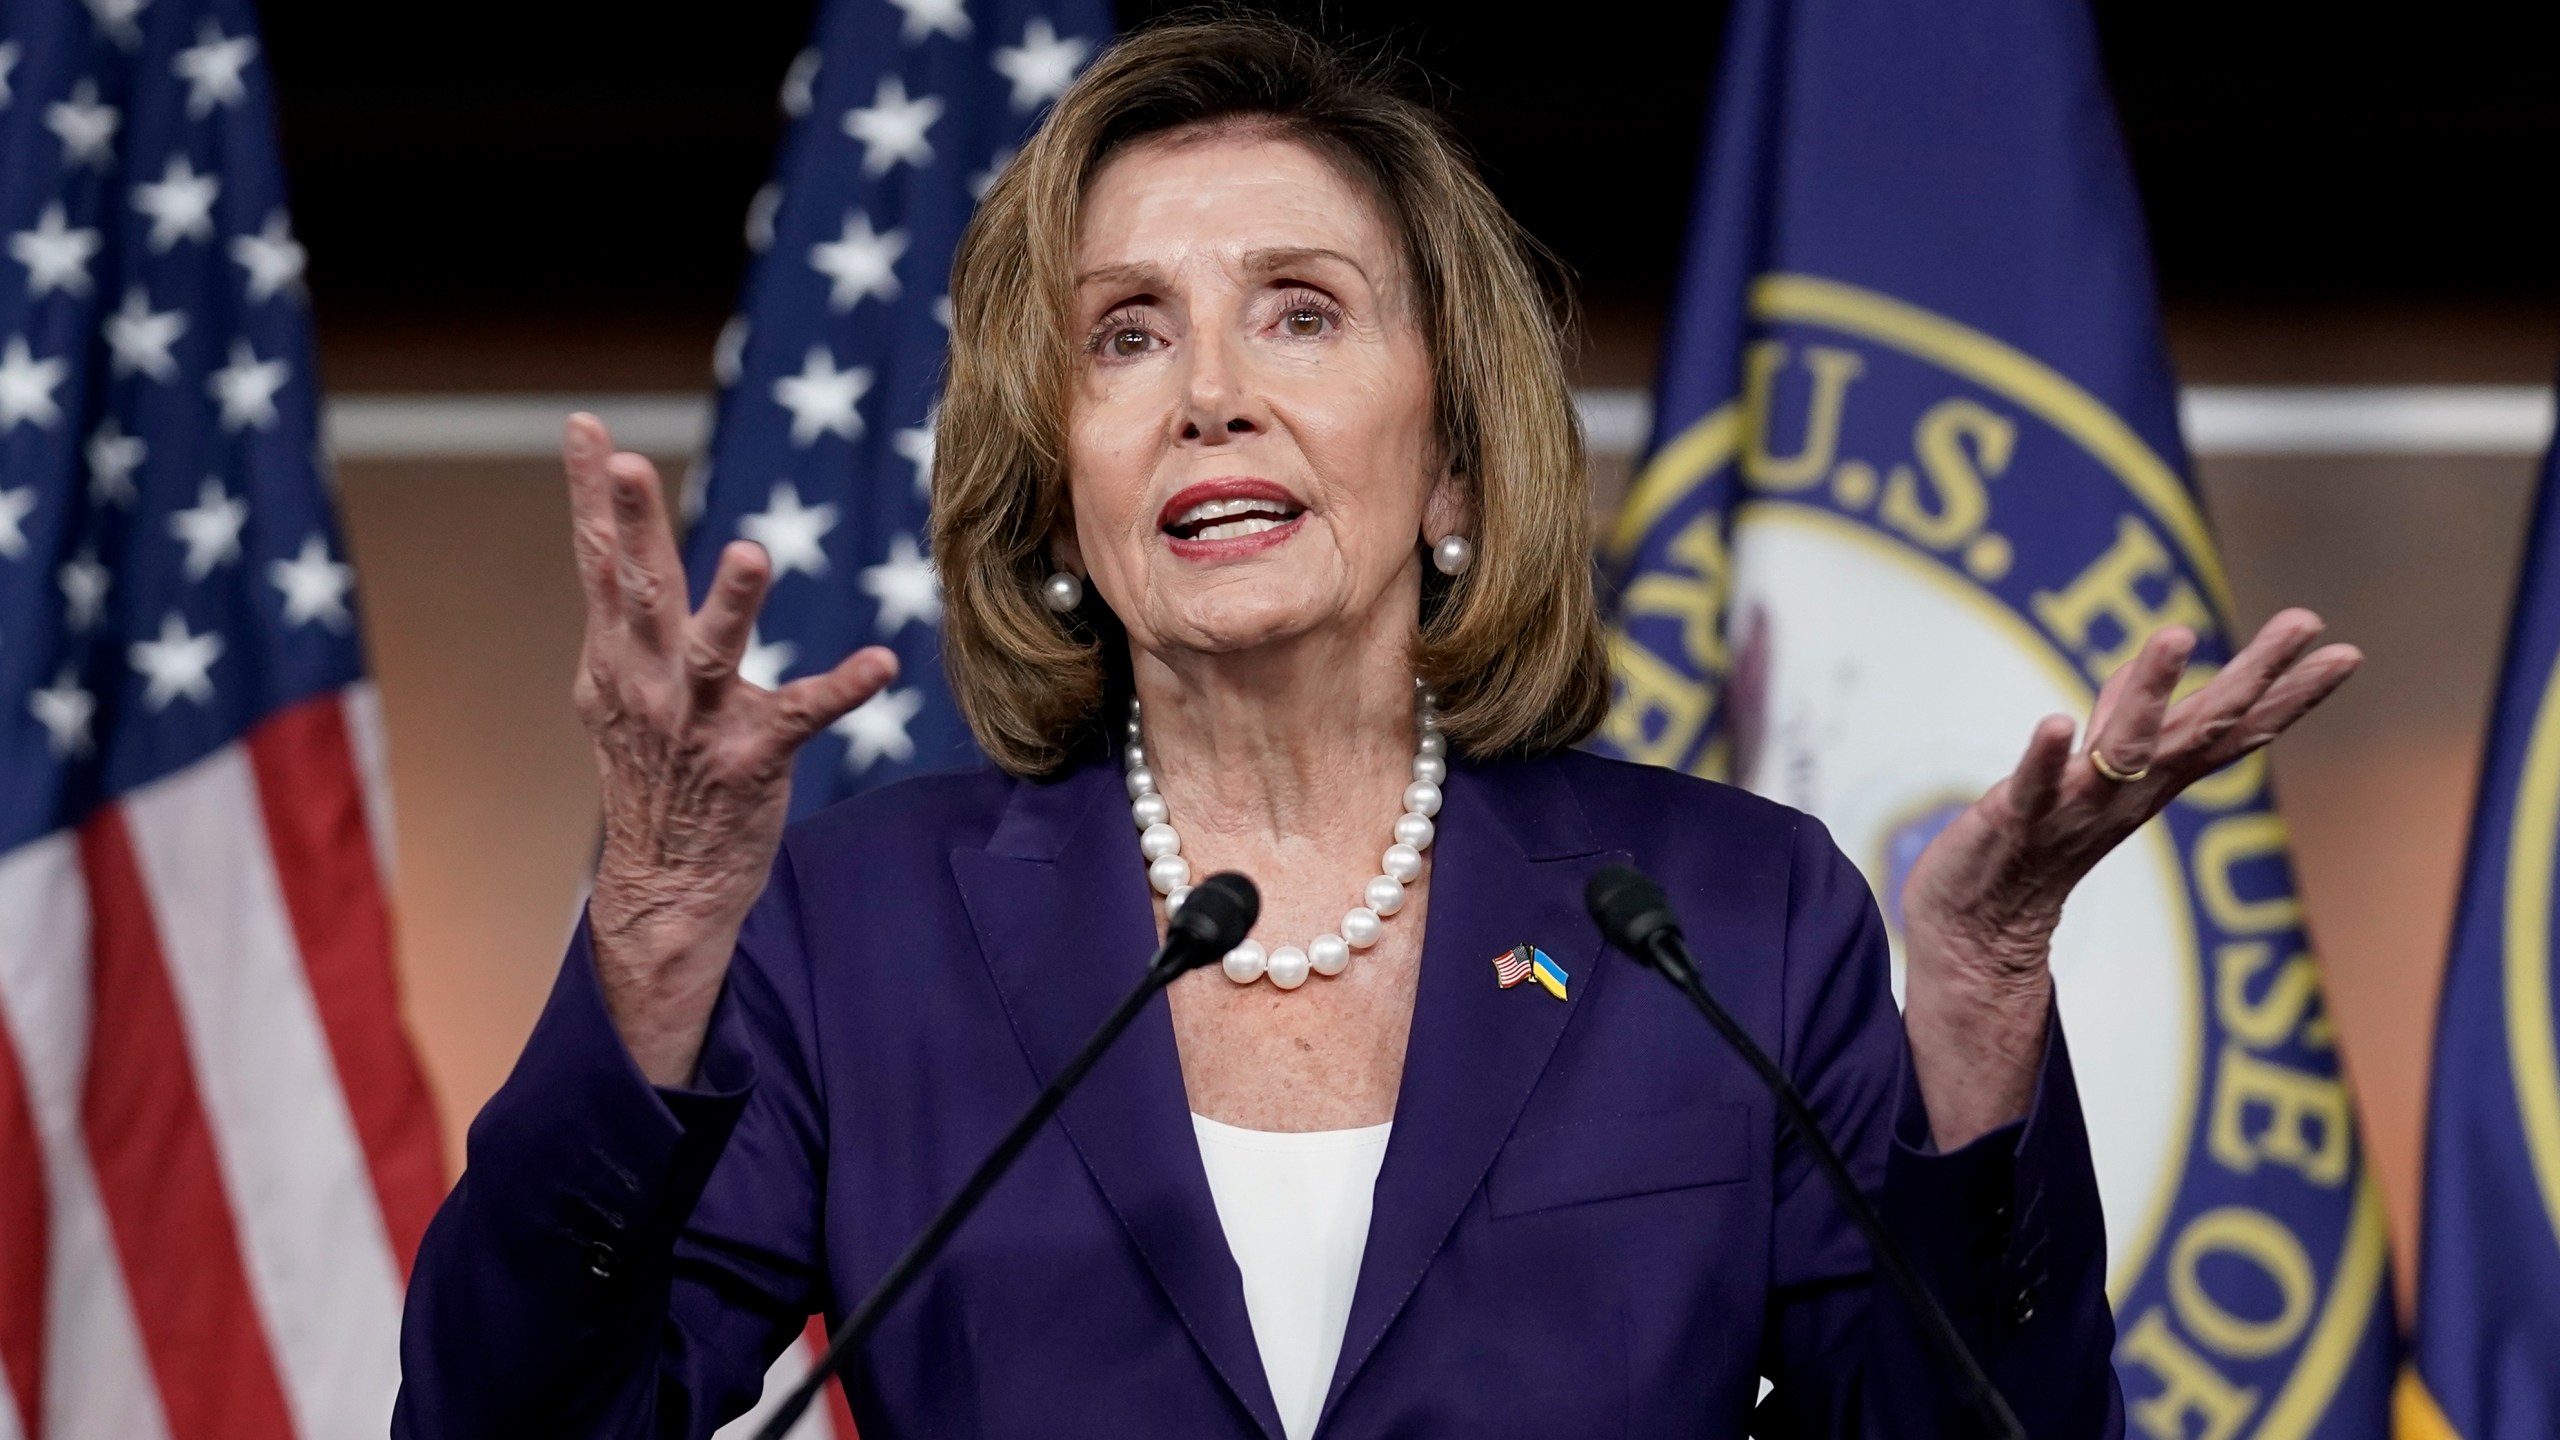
(1129,341)
(1303,322)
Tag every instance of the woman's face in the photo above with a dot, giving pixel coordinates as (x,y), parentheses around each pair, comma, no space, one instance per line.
(1251,454)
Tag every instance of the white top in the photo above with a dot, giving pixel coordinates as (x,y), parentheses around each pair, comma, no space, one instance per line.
(1295,1206)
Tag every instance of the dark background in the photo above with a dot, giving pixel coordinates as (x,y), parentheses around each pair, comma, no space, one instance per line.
(579,156)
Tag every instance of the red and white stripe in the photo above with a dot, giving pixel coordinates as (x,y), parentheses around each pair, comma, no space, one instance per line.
(217,1151)
(829,1419)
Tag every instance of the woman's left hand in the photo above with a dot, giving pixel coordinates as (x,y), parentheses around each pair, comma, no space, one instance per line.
(1981,904)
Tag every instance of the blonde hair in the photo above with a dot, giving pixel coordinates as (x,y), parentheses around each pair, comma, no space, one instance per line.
(1513,646)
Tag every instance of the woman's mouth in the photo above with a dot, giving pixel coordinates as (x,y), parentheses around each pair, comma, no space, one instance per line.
(1231,519)
(1228,518)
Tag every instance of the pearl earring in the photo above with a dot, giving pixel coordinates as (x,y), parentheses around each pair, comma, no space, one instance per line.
(1453,555)
(1062,592)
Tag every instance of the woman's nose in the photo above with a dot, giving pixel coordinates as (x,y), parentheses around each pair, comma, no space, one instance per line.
(1235,425)
(1216,402)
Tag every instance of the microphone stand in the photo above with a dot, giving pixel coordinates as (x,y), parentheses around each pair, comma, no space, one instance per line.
(1652,937)
(1186,948)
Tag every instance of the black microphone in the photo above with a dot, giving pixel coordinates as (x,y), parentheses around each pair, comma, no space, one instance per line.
(1636,916)
(1213,920)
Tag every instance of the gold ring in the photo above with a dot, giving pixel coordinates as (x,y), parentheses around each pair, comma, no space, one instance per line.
(2121,777)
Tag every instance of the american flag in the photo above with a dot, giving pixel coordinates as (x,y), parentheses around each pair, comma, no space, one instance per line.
(903,112)
(216,1148)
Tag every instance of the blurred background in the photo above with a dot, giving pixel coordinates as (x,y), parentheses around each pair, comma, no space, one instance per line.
(512,210)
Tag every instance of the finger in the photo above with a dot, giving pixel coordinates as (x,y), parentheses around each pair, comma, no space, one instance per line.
(2106,701)
(812,703)
(2130,734)
(720,630)
(2110,696)
(646,570)
(584,444)
(2036,785)
(2198,723)
(2292,696)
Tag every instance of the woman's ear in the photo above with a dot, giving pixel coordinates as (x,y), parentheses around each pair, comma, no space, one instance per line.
(1450,508)
(1064,553)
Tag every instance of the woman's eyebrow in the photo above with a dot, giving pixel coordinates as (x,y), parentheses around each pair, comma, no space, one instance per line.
(1293,257)
(1136,275)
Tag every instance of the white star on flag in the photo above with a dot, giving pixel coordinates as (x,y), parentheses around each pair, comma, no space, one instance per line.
(876,729)
(1042,65)
(729,349)
(56,256)
(790,532)
(84,585)
(86,128)
(905,586)
(211,67)
(177,663)
(928,17)
(799,83)
(315,586)
(26,387)
(273,258)
(141,339)
(859,262)
(985,180)
(180,204)
(823,399)
(15,506)
(64,709)
(115,17)
(762,209)
(892,127)
(915,446)
(247,388)
(690,493)
(210,528)
(763,664)
(113,456)
(8,62)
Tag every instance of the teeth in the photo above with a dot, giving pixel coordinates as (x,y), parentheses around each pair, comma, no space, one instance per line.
(1232,528)
(1209,510)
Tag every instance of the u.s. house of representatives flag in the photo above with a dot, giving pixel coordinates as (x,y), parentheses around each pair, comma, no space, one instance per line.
(2488,1340)
(904,111)
(1917,482)
(216,1148)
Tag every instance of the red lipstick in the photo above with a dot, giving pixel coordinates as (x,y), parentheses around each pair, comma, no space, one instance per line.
(1279,505)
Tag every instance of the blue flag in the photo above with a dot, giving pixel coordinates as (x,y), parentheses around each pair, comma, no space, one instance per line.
(159,428)
(904,110)
(2488,1341)
(1916,482)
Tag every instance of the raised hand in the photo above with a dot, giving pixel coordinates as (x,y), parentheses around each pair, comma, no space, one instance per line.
(1981,904)
(695,761)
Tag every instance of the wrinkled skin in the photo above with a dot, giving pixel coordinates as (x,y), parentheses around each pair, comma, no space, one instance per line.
(1980,907)
(695,761)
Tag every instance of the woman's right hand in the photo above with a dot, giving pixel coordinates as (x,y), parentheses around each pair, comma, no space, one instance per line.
(695,760)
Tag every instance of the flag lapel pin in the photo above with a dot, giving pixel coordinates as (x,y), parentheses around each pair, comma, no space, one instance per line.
(1528,962)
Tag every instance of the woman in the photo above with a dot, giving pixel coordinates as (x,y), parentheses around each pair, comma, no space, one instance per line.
(1260,518)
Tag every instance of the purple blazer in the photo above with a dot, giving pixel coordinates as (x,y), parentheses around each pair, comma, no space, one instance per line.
(1589,1221)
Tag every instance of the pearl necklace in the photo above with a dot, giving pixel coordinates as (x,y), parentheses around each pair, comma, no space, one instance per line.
(1330,953)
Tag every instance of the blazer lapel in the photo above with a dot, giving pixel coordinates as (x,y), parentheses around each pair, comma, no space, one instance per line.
(1058,899)
(1508,866)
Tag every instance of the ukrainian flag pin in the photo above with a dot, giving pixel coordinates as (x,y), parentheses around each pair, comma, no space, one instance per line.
(1528,962)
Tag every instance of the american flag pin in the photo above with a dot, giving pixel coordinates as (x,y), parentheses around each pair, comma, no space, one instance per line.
(1528,962)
